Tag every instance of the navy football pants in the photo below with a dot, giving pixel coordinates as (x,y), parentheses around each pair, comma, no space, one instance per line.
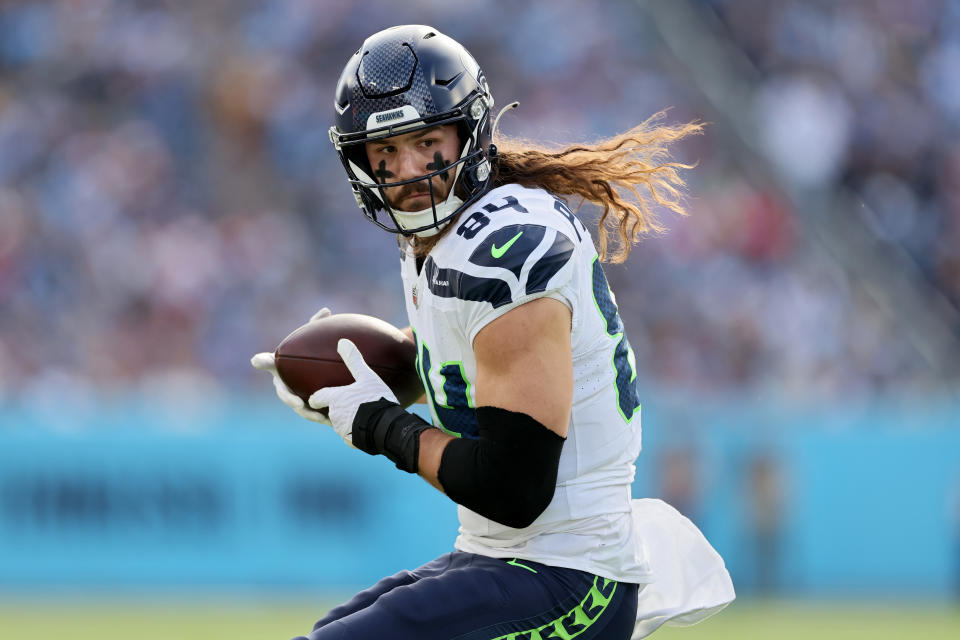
(463,596)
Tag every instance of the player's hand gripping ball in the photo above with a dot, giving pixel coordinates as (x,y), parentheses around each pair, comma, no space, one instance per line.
(342,403)
(267,362)
(310,360)
(307,359)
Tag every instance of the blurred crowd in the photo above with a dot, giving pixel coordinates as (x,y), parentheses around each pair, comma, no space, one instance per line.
(170,203)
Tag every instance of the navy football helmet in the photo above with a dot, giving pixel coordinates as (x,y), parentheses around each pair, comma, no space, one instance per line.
(404,79)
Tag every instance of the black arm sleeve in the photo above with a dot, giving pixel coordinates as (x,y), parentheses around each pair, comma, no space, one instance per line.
(509,473)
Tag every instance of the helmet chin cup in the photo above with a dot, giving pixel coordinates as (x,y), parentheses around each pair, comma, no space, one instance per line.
(422,223)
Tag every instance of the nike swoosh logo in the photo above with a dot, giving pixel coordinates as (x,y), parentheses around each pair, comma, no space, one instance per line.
(497,252)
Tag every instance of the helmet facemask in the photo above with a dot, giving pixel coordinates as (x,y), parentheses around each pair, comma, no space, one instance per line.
(471,170)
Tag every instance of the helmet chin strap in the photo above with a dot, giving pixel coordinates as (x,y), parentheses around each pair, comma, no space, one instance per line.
(416,219)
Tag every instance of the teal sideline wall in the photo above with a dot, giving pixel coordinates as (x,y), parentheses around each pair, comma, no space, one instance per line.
(246,494)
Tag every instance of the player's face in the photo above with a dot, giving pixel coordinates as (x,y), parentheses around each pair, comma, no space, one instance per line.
(409,155)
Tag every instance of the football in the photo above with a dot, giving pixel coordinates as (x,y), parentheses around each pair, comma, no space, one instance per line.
(307,359)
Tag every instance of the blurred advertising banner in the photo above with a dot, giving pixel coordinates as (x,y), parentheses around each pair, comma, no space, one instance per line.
(816,501)
(237,503)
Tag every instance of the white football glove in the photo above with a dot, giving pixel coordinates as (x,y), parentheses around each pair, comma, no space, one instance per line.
(342,402)
(266,362)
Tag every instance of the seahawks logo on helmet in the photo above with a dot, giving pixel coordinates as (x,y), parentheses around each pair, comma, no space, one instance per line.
(388,116)
(404,79)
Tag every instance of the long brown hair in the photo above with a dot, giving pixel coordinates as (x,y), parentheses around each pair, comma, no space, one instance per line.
(624,175)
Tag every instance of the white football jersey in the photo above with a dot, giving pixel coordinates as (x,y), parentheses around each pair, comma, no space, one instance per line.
(515,245)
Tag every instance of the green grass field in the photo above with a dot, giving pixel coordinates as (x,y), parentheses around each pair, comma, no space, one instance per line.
(256,620)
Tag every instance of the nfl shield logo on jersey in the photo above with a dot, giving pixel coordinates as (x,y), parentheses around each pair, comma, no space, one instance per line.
(416,300)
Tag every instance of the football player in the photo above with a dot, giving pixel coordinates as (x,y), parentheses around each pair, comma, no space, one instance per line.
(523,357)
